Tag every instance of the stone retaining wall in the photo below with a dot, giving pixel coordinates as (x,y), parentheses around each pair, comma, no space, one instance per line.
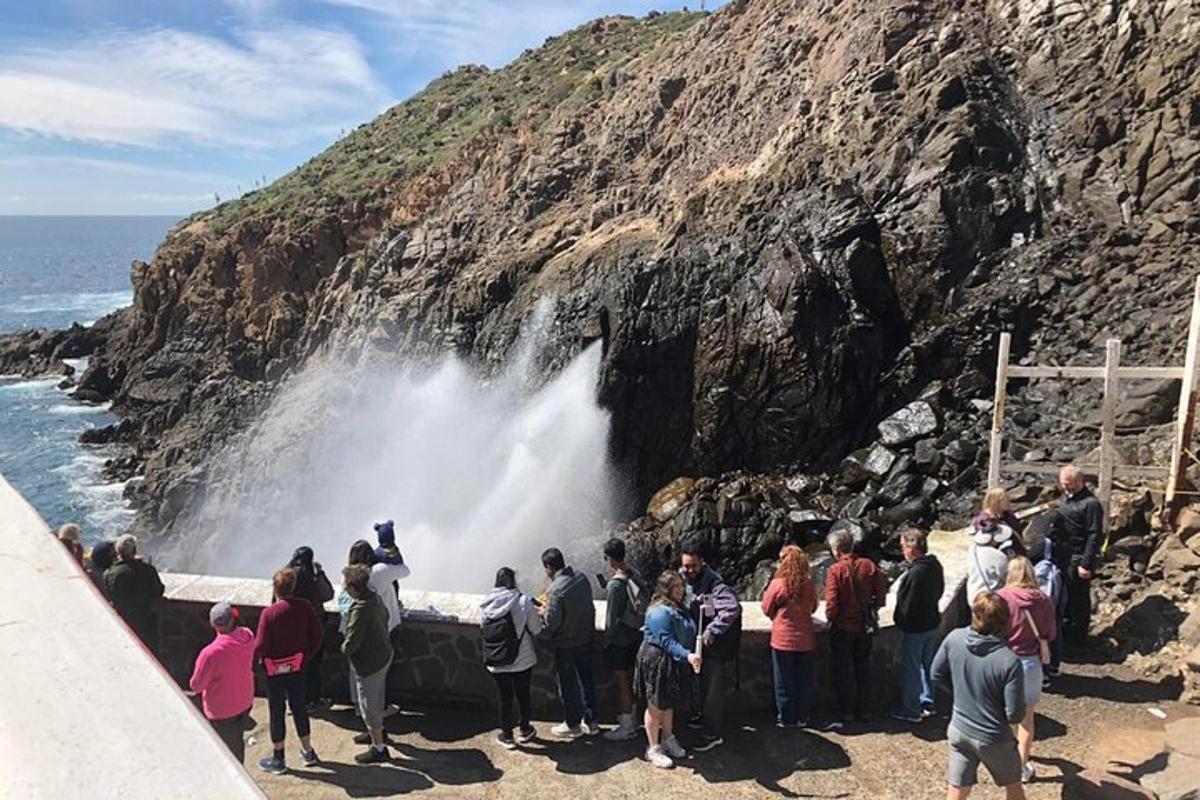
(441,664)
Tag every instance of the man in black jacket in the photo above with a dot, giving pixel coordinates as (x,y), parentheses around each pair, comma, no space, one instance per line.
(917,617)
(135,589)
(1077,548)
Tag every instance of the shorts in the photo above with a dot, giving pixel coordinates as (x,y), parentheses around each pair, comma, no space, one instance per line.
(621,657)
(370,695)
(1001,759)
(1032,666)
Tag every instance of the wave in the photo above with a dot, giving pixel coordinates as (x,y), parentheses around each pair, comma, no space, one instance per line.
(35,385)
(79,408)
(95,302)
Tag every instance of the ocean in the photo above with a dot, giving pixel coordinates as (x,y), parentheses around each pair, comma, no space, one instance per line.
(55,271)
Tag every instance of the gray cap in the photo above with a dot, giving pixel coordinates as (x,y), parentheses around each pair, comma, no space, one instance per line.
(222,615)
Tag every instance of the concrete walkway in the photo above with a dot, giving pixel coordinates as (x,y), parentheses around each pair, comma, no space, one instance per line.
(1098,718)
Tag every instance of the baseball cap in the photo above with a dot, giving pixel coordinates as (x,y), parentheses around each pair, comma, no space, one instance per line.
(222,615)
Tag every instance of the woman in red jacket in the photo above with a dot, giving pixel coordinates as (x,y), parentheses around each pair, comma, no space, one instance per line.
(790,600)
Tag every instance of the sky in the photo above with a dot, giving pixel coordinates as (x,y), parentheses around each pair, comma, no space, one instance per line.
(160,106)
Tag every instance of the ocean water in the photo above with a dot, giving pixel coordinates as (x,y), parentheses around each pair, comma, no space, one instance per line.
(55,271)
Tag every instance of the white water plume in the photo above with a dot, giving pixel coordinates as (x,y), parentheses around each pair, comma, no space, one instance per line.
(476,474)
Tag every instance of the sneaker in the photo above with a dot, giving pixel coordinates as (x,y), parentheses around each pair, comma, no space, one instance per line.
(272,764)
(671,747)
(1028,773)
(709,743)
(592,728)
(374,755)
(1045,681)
(926,713)
(834,725)
(362,738)
(565,731)
(526,736)
(506,741)
(800,723)
(658,758)
(390,711)
(904,716)
(1053,672)
(309,757)
(621,733)
(319,705)
(695,723)
(780,723)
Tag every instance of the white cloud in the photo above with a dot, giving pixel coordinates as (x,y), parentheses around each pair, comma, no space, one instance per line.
(267,86)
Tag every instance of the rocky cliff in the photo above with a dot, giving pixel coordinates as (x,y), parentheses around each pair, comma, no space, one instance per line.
(785,220)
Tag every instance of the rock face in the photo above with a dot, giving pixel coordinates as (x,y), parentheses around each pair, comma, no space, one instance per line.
(787,222)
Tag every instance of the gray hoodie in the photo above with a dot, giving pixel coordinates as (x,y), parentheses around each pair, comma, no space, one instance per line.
(987,681)
(525,619)
(570,619)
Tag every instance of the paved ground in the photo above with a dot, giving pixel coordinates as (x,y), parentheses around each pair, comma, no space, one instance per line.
(1097,718)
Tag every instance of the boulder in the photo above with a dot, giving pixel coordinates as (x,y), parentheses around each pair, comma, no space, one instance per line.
(879,461)
(1178,780)
(667,501)
(914,421)
(1183,736)
(1094,784)
(926,456)
(1187,523)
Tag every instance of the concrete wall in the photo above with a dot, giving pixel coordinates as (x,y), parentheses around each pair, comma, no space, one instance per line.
(442,666)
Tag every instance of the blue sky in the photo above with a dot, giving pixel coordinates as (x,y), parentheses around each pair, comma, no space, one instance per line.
(154,106)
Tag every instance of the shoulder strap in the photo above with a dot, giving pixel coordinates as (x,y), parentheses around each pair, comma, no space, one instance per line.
(1032,624)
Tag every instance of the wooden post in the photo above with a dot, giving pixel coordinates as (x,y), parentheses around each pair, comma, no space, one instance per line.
(1108,430)
(1186,418)
(998,401)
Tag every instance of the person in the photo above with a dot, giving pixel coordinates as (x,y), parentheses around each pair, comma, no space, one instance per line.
(69,536)
(1082,521)
(384,577)
(622,633)
(1050,582)
(997,510)
(1031,628)
(720,639)
(661,673)
(387,552)
(223,676)
(789,602)
(989,698)
(103,556)
(987,559)
(509,627)
(569,625)
(369,650)
(289,633)
(134,589)
(855,590)
(312,584)
(918,618)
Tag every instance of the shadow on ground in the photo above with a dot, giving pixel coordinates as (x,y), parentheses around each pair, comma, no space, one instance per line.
(767,757)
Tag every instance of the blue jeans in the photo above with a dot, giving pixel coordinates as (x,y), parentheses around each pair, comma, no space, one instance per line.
(916,659)
(793,684)
(576,687)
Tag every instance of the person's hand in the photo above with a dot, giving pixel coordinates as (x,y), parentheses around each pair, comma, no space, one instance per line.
(1085,574)
(695,660)
(708,640)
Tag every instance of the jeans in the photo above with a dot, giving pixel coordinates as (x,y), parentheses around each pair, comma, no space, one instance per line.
(793,684)
(916,660)
(712,694)
(576,687)
(851,664)
(509,684)
(233,733)
(287,689)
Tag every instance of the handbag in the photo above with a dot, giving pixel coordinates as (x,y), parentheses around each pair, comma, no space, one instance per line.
(287,665)
(1043,645)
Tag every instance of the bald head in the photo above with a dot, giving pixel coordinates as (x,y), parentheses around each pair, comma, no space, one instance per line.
(1070,479)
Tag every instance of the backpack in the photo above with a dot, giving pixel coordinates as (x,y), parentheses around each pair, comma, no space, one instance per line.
(634,615)
(501,644)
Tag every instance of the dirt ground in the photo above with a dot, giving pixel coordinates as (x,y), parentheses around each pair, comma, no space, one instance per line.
(1097,716)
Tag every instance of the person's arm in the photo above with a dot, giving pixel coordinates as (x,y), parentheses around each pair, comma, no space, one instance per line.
(324,587)
(201,674)
(617,598)
(395,572)
(1094,526)
(262,636)
(770,600)
(910,587)
(808,598)
(728,609)
(1014,694)
(552,620)
(156,588)
(658,632)
(940,671)
(533,620)
(881,588)
(1047,623)
(316,631)
(831,596)
(353,640)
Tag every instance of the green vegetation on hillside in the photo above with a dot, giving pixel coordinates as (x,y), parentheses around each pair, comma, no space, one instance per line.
(436,124)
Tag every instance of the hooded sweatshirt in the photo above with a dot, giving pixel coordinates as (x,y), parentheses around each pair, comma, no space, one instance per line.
(367,645)
(224,674)
(917,597)
(1021,638)
(526,621)
(570,619)
(987,570)
(987,681)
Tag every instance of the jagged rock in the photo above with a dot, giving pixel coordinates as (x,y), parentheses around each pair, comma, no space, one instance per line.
(669,499)
(1094,784)
(915,420)
(879,461)
(926,456)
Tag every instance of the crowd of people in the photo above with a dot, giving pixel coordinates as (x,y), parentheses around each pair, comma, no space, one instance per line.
(672,643)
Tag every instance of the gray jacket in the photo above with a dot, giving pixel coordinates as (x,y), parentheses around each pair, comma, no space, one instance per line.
(570,618)
(987,681)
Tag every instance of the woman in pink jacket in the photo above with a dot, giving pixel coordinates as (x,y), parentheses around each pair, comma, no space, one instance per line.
(1031,623)
(789,601)
(224,677)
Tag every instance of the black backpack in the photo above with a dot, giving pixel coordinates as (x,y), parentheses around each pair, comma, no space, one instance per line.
(501,644)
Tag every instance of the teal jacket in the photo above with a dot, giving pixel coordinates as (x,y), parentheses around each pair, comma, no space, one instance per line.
(367,644)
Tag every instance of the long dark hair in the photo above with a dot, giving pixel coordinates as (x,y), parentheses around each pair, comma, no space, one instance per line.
(361,552)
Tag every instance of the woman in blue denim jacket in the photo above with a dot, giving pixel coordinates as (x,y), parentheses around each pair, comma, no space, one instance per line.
(661,674)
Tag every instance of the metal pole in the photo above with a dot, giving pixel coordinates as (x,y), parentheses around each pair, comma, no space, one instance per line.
(997,439)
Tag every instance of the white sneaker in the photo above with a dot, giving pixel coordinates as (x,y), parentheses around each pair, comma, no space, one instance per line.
(564,731)
(1028,773)
(658,758)
(621,733)
(672,748)
(593,728)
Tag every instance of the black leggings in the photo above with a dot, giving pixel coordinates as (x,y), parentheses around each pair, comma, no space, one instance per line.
(289,688)
(507,685)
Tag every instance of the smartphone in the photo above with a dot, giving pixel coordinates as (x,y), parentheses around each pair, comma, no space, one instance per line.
(603,581)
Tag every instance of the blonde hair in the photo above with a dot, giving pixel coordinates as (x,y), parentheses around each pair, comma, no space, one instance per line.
(1020,573)
(69,532)
(996,501)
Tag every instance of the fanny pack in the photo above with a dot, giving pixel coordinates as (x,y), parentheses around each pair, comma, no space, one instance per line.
(284,666)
